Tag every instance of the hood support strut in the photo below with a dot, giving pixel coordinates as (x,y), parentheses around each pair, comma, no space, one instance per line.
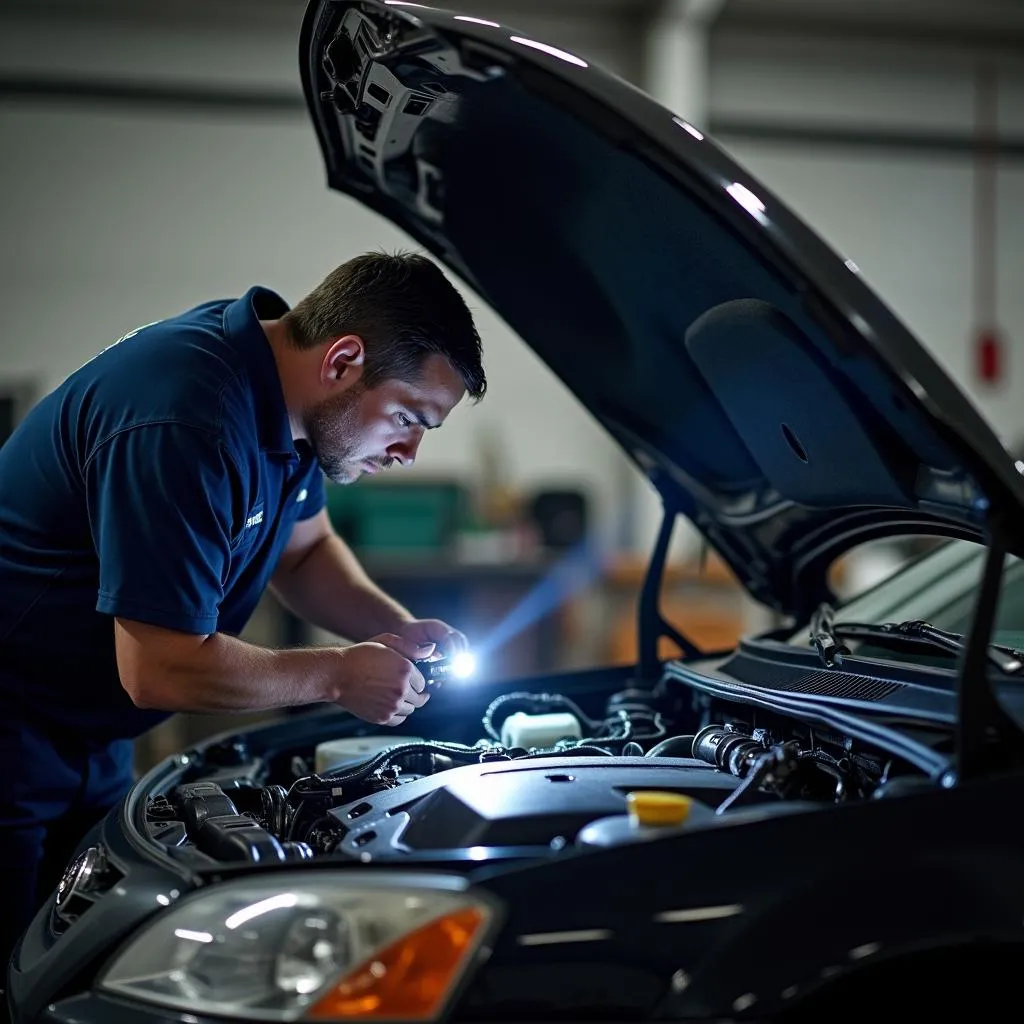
(652,625)
(988,740)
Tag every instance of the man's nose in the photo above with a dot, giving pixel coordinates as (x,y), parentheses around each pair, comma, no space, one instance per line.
(404,451)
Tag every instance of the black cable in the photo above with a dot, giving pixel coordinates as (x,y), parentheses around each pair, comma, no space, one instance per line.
(313,794)
(845,777)
(623,727)
(581,751)
(657,724)
(329,781)
(624,736)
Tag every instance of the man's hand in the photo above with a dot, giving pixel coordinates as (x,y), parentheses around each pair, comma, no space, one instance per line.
(435,634)
(379,682)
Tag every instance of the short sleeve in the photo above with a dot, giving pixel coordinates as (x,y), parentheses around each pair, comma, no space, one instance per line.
(161,500)
(312,494)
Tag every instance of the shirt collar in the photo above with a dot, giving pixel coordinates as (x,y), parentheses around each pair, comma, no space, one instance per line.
(242,328)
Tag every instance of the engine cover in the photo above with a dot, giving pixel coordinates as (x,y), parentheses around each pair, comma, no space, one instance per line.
(515,803)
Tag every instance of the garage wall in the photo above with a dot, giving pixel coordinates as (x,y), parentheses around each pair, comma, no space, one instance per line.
(903,213)
(114,214)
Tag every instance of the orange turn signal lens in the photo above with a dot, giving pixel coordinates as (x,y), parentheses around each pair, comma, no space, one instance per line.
(408,980)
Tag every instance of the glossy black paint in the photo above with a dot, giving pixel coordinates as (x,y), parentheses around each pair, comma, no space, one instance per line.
(601,229)
(811,891)
(45,967)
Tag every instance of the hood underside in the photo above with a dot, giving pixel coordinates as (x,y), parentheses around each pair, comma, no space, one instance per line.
(764,389)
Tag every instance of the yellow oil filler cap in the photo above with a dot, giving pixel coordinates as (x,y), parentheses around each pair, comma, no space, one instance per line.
(657,807)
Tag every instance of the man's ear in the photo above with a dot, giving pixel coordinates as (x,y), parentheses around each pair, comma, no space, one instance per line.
(343,359)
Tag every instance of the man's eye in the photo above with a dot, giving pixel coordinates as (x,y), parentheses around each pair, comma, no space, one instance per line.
(403,420)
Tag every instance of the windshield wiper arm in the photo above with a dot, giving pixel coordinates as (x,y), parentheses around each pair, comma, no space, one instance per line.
(825,637)
(829,647)
(1005,659)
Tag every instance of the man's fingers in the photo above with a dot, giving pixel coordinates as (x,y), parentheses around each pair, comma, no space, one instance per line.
(396,719)
(416,699)
(410,649)
(456,643)
(416,680)
(449,641)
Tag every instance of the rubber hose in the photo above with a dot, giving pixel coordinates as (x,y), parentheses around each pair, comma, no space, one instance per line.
(674,746)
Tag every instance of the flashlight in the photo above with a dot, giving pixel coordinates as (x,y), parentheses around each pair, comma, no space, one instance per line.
(436,670)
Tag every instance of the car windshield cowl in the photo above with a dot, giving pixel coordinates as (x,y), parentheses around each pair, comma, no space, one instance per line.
(827,636)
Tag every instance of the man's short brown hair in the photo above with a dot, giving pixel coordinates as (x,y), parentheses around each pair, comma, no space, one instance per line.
(404,309)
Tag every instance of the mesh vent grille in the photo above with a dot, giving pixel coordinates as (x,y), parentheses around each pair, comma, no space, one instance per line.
(762,673)
(838,684)
(821,684)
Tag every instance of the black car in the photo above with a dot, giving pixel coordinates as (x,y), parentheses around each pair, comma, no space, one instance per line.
(822,822)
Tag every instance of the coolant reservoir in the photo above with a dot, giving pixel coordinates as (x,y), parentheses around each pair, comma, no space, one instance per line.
(651,815)
(335,753)
(523,730)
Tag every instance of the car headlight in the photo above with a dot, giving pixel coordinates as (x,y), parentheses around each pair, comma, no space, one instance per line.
(316,946)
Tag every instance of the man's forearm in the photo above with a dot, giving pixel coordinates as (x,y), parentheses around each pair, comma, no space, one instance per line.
(171,672)
(330,589)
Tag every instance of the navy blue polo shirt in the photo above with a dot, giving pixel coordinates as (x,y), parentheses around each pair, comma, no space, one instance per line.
(160,483)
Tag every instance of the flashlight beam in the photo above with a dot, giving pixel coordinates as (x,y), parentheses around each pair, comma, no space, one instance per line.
(571,574)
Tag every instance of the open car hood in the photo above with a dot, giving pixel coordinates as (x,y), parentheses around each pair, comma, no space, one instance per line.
(767,392)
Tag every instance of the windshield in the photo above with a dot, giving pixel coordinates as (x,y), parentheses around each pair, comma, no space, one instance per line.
(941,588)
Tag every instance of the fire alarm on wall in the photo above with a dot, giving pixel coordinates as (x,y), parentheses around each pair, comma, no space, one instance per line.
(989,357)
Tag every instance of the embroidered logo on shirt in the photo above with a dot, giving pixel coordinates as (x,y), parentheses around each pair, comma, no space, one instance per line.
(255,519)
(124,337)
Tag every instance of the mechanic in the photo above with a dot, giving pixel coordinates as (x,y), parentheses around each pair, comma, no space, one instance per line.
(148,502)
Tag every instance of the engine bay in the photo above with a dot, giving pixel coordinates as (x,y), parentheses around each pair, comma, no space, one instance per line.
(546,778)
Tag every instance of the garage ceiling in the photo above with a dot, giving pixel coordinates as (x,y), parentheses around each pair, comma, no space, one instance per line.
(970,22)
(931,29)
